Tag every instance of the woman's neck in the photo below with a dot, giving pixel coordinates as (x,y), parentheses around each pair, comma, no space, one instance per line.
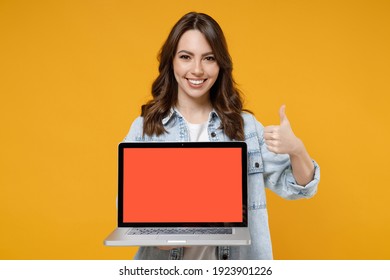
(195,112)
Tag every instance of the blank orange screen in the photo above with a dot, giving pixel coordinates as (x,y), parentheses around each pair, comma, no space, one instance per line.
(164,185)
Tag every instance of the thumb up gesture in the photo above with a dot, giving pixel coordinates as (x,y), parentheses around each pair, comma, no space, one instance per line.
(280,139)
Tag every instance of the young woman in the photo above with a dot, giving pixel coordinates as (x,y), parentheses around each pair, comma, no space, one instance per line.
(195,99)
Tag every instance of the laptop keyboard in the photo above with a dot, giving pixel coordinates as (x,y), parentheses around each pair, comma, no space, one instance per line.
(154,231)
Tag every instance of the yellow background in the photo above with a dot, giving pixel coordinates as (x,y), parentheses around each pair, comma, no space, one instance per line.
(75,73)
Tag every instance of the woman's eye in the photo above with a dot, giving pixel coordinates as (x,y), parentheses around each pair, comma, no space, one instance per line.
(210,58)
(184,57)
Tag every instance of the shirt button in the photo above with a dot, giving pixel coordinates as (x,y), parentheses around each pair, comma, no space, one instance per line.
(213,134)
(224,256)
(257,165)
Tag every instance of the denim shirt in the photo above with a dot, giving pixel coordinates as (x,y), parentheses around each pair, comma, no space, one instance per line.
(265,169)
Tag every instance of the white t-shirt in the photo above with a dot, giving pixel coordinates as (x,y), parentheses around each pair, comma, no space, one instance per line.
(198,133)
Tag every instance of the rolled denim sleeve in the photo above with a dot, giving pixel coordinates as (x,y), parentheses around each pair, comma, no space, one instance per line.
(278,174)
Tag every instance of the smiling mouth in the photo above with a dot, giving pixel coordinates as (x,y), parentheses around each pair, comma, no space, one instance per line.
(196,82)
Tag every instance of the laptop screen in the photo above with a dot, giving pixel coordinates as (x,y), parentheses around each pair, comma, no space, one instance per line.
(182,183)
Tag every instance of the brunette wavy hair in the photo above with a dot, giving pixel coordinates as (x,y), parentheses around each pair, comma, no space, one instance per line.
(224,94)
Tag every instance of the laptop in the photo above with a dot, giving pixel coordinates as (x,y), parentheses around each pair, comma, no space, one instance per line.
(181,194)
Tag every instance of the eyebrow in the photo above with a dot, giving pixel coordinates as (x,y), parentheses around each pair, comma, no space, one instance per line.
(190,53)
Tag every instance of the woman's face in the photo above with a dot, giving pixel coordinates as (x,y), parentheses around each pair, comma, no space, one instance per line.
(195,67)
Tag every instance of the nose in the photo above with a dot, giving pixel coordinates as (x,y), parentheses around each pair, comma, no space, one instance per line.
(198,68)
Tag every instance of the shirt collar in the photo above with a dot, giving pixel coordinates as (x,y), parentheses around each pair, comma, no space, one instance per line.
(173,112)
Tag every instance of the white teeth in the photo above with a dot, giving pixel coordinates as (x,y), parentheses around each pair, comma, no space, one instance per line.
(196,82)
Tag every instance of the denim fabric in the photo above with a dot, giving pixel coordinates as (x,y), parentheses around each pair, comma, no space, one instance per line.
(265,169)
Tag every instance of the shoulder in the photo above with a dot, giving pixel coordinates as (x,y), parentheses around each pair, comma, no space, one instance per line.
(251,124)
(137,123)
(136,130)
